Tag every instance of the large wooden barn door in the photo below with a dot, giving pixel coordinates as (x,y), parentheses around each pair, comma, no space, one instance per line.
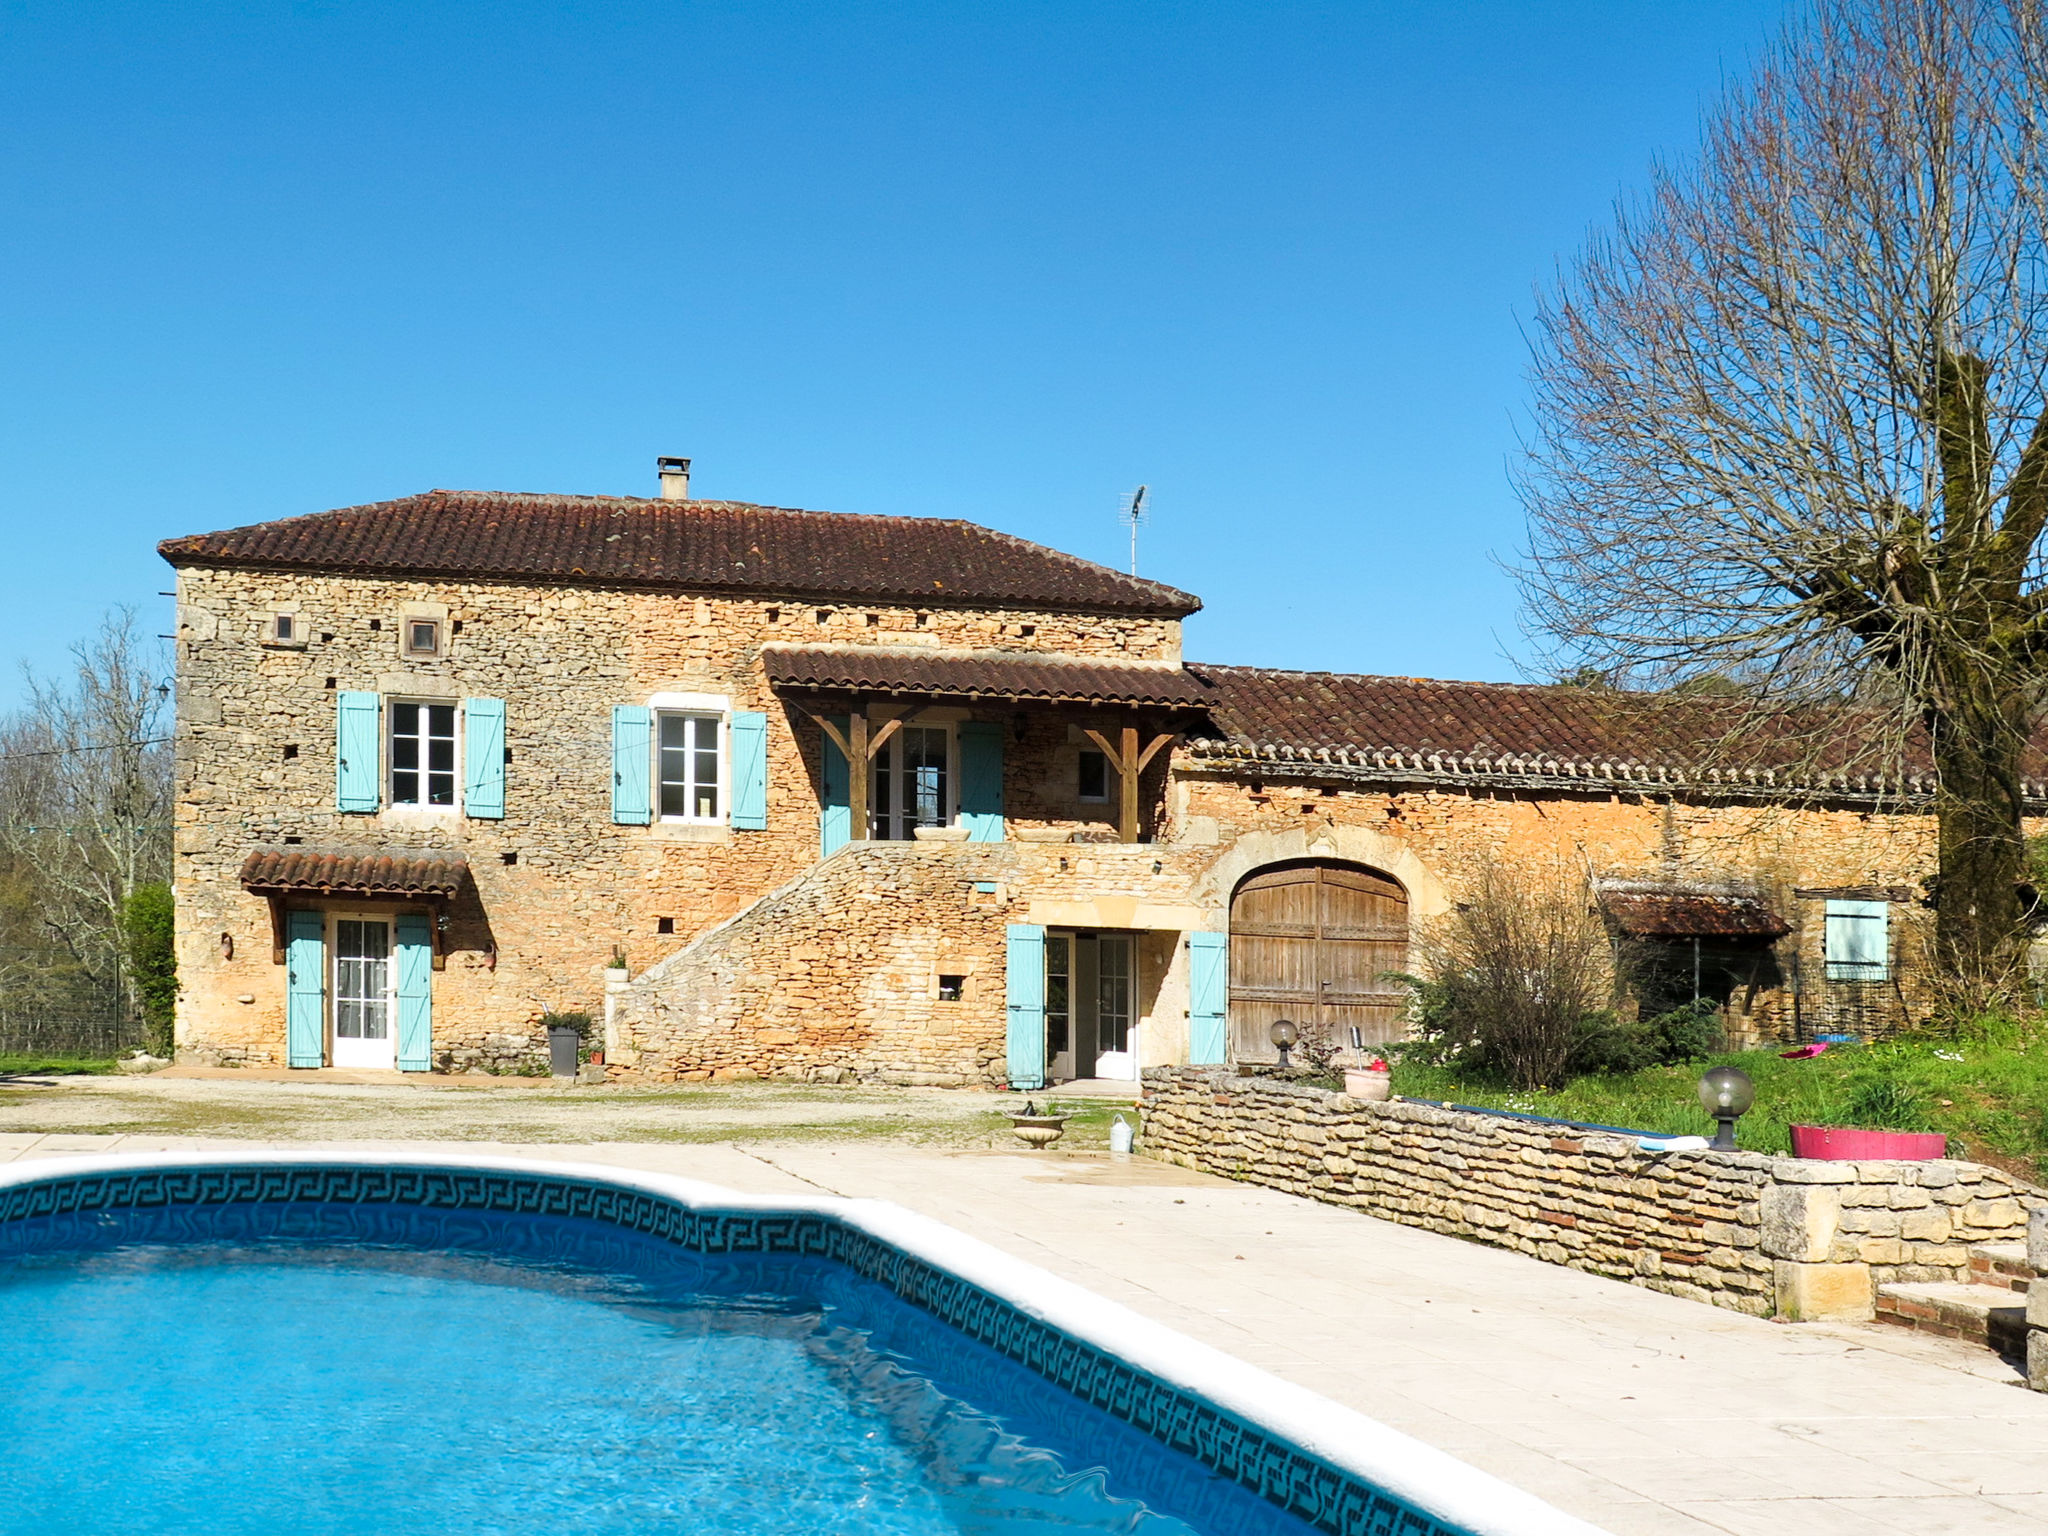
(1311,942)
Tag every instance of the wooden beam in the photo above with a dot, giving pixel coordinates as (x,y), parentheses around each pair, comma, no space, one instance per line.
(1152,749)
(858,769)
(277,933)
(833,734)
(1127,822)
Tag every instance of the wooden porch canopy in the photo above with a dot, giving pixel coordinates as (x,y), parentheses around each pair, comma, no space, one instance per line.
(1646,913)
(412,875)
(1151,704)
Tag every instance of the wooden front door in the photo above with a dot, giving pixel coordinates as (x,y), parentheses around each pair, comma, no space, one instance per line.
(1313,942)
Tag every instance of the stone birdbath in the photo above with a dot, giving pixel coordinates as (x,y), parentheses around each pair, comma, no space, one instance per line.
(1037,1131)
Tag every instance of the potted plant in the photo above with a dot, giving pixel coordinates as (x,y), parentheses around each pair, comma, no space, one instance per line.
(1374,1082)
(615,968)
(1037,1131)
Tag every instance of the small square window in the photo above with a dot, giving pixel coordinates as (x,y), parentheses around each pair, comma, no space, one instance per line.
(422,637)
(952,988)
(664,925)
(1094,787)
(286,626)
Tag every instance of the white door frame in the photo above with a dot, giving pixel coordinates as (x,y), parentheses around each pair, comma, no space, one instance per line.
(357,1053)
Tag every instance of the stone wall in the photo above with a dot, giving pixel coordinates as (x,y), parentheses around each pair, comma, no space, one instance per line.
(836,976)
(1769,1236)
(556,883)
(1434,839)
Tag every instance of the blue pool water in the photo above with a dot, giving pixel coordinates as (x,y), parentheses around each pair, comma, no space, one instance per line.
(318,1369)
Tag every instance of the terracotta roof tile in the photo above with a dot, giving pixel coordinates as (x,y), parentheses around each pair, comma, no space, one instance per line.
(408,873)
(878,670)
(1410,727)
(709,546)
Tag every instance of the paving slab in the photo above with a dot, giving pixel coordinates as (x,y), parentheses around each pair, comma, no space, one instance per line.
(1644,1413)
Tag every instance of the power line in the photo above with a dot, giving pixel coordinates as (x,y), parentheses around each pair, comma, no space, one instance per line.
(107,746)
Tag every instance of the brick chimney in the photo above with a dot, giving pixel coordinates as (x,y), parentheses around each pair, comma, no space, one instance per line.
(675,479)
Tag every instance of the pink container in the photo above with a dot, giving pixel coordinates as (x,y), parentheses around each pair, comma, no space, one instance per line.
(1840,1144)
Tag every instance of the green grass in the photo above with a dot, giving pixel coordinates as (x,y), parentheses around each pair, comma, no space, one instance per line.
(55,1066)
(1988,1094)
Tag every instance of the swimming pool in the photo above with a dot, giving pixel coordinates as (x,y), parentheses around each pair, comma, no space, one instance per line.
(344,1345)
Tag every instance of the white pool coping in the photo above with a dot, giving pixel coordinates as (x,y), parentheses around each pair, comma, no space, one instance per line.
(1431,1480)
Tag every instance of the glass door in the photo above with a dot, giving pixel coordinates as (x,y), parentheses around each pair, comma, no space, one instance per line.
(1115,1014)
(1091,1019)
(363,994)
(913,782)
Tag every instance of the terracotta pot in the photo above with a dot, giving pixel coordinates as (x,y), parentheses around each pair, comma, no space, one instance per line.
(1841,1143)
(1376,1087)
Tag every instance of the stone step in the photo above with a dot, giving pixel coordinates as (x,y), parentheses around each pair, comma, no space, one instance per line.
(1983,1314)
(2001,1264)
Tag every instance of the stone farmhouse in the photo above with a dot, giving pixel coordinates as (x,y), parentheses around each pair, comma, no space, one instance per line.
(846,797)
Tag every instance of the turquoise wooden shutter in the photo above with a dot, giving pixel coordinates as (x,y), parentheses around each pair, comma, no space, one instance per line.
(632,765)
(1024,984)
(835,810)
(358,777)
(1208,997)
(981,780)
(747,746)
(415,993)
(1859,941)
(305,989)
(483,758)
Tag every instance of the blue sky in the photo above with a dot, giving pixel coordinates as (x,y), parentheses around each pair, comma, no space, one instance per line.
(995,262)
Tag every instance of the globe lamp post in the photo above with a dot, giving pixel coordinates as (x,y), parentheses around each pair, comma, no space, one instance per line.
(1283,1034)
(1726,1093)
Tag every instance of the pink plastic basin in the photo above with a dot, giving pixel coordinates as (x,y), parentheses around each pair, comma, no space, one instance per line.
(1840,1144)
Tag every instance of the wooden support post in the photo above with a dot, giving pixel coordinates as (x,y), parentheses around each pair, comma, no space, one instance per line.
(858,754)
(1130,763)
(277,929)
(860,748)
(1127,767)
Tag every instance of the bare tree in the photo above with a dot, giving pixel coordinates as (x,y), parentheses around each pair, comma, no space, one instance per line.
(1514,971)
(84,814)
(1791,420)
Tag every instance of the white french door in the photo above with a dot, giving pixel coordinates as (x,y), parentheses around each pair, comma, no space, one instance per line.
(913,783)
(364,988)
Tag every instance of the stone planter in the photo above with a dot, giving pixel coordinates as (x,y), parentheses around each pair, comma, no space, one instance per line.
(1038,1131)
(1373,1087)
(616,975)
(940,834)
(1043,834)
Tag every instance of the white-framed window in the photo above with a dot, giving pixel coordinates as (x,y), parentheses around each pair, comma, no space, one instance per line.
(914,783)
(690,776)
(1094,777)
(422,752)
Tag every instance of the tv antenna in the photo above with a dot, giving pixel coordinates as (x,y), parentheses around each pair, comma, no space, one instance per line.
(1134,514)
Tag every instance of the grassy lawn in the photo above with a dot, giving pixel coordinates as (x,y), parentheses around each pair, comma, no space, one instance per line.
(55,1066)
(1990,1095)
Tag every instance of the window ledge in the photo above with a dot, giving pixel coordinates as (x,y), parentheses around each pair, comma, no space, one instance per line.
(692,832)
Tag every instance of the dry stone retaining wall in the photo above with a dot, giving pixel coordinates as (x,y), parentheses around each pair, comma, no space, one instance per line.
(1770,1236)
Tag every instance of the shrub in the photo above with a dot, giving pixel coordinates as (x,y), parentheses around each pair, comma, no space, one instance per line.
(1515,974)
(1608,1044)
(147,929)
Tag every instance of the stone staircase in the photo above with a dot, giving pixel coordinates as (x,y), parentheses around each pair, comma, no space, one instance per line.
(1989,1309)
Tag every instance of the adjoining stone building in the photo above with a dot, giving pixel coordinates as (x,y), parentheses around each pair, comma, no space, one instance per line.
(441,760)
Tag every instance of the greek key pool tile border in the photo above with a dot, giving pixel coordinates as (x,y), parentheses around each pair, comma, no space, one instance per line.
(1279,1472)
